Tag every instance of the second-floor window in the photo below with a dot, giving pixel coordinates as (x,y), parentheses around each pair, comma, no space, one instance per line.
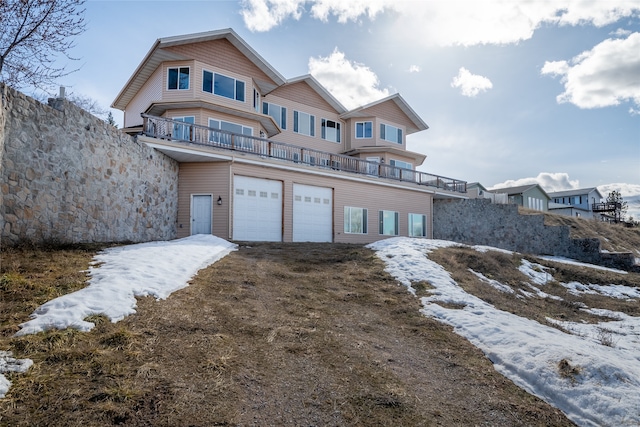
(364,130)
(304,123)
(178,78)
(391,133)
(278,113)
(222,85)
(330,130)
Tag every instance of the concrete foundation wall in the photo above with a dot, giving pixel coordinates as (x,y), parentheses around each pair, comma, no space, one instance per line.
(69,177)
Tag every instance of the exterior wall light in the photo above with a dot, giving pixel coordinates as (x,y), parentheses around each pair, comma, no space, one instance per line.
(220,200)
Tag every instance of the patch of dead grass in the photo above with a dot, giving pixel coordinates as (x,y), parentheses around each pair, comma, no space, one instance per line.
(273,334)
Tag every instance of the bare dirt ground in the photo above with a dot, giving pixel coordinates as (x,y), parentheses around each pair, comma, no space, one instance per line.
(271,335)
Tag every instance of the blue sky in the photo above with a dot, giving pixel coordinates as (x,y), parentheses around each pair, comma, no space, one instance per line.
(513,91)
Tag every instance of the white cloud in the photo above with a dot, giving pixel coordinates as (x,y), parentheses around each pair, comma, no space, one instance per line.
(445,23)
(348,10)
(470,84)
(604,76)
(620,32)
(353,84)
(549,181)
(263,15)
(414,69)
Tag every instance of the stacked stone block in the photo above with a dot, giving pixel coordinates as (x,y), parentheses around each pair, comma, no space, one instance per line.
(69,177)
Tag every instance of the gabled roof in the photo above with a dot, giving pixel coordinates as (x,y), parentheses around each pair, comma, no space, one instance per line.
(320,90)
(518,190)
(418,123)
(576,192)
(472,185)
(159,54)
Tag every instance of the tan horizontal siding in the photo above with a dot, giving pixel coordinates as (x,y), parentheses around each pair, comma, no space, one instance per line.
(222,54)
(347,193)
(151,91)
(316,142)
(204,178)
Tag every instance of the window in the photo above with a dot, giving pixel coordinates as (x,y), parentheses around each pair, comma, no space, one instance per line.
(388,223)
(417,225)
(178,78)
(390,133)
(402,174)
(278,113)
(222,85)
(364,129)
(182,131)
(330,130)
(355,220)
(304,123)
(400,164)
(225,138)
(256,100)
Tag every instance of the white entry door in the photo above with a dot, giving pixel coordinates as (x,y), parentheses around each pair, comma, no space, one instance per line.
(201,214)
(257,209)
(312,213)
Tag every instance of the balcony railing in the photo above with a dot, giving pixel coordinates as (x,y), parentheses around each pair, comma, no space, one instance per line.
(158,127)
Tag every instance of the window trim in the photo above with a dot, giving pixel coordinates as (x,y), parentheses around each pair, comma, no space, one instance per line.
(338,128)
(236,92)
(410,224)
(188,68)
(396,225)
(348,229)
(384,132)
(312,123)
(364,129)
(184,120)
(283,113)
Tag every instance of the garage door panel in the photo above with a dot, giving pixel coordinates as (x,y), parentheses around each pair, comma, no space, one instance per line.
(257,209)
(312,213)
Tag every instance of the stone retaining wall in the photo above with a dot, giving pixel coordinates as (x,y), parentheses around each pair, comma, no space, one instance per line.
(69,177)
(480,222)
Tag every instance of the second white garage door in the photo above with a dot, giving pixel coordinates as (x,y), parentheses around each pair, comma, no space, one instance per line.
(257,209)
(312,213)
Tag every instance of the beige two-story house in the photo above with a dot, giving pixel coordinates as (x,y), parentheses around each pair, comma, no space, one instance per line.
(265,158)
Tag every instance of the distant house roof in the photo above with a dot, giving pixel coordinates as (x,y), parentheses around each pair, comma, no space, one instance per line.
(159,54)
(512,191)
(576,192)
(472,185)
(418,123)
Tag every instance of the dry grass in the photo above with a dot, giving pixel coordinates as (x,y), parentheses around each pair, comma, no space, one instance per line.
(274,334)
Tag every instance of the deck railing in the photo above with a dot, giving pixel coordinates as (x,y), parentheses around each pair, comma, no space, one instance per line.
(175,130)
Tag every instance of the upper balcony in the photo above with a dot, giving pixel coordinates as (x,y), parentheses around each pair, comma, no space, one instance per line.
(168,129)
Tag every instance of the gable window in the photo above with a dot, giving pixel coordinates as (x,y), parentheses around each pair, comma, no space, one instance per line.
(417,225)
(390,133)
(278,113)
(330,130)
(388,223)
(364,130)
(304,123)
(181,131)
(355,220)
(178,78)
(219,84)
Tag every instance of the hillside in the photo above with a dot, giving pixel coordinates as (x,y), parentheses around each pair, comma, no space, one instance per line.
(278,334)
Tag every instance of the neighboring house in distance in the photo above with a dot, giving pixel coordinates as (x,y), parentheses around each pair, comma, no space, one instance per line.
(530,196)
(264,158)
(577,203)
(475,190)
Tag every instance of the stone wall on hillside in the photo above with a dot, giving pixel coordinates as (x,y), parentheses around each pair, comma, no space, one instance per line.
(480,222)
(69,177)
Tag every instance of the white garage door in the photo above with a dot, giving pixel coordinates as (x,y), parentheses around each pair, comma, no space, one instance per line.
(312,213)
(257,209)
